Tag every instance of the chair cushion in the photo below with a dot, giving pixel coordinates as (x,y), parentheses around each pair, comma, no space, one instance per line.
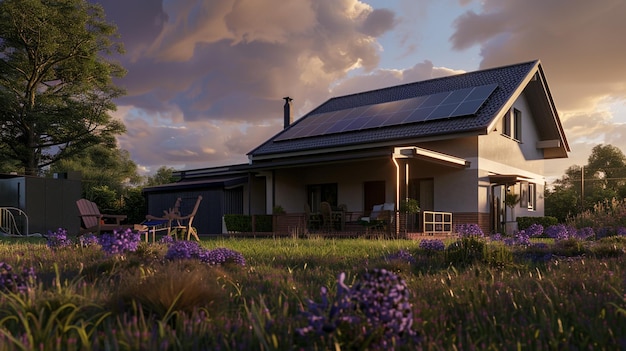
(389,206)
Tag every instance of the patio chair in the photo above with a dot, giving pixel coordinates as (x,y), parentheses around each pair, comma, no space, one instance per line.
(95,222)
(186,222)
(327,216)
(380,217)
(154,224)
(313,220)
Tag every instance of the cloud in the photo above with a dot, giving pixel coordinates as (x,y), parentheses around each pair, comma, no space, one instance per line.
(575,40)
(382,78)
(221,68)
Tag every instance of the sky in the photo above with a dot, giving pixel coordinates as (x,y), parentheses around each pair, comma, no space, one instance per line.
(205,78)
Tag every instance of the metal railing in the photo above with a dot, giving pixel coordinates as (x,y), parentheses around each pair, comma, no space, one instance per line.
(437,222)
(8,223)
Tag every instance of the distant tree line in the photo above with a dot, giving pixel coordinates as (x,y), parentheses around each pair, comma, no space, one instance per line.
(602,179)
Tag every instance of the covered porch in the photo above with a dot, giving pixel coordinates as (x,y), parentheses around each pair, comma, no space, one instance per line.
(353,185)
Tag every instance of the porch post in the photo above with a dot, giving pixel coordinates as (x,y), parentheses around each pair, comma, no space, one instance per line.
(397,212)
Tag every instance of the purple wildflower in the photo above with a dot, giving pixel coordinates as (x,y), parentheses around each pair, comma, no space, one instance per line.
(534,230)
(402,255)
(469,229)
(58,239)
(120,242)
(183,249)
(496,237)
(16,283)
(432,245)
(558,232)
(88,240)
(522,238)
(167,239)
(377,303)
(585,233)
(221,256)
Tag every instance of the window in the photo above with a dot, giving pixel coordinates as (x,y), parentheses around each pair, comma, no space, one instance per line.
(512,124)
(532,196)
(318,193)
(506,125)
(517,122)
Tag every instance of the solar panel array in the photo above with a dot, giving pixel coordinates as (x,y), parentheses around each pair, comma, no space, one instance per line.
(456,103)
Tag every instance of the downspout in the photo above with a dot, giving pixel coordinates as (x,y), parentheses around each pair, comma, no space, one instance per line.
(397,212)
(271,209)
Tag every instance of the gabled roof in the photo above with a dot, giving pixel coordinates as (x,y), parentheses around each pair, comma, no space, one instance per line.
(509,82)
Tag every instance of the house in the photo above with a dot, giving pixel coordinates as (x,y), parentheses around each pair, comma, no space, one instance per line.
(457,144)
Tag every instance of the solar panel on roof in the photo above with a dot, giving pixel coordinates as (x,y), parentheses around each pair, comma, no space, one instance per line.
(456,103)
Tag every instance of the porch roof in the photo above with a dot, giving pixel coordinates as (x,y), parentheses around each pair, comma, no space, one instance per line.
(504,85)
(506,178)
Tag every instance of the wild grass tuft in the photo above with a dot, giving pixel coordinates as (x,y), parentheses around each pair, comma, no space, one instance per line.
(171,286)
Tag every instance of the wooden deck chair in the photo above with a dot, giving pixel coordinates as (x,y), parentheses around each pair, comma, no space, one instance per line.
(95,222)
(153,224)
(186,222)
(313,220)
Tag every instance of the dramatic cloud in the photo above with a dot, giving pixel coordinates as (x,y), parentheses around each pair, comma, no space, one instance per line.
(221,68)
(206,78)
(579,46)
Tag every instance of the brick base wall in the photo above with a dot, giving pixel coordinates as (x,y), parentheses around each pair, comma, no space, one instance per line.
(482,219)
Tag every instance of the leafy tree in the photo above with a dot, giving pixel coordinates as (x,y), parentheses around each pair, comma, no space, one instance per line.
(56,87)
(602,179)
(163,175)
(106,174)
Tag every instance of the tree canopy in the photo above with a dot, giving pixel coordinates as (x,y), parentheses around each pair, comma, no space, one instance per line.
(582,187)
(56,86)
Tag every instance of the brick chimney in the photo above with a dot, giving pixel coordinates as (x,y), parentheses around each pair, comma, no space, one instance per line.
(288,115)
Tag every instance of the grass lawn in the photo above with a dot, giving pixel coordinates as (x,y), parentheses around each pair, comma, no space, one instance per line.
(475,294)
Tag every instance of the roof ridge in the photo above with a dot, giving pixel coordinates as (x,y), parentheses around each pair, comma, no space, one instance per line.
(426,81)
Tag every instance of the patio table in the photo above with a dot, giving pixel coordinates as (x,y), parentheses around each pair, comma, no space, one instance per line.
(151,227)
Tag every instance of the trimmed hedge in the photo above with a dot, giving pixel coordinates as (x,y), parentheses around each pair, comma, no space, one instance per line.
(243,223)
(525,222)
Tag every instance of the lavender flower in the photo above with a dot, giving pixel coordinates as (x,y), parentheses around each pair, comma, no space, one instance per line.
(402,255)
(16,283)
(167,239)
(179,250)
(222,256)
(88,240)
(376,309)
(469,229)
(432,245)
(522,238)
(182,249)
(117,243)
(558,232)
(585,233)
(58,239)
(534,230)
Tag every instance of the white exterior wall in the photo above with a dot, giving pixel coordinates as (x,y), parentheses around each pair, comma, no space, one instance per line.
(500,154)
(349,176)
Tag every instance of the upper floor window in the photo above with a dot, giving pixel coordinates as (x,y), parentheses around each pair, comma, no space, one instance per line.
(512,124)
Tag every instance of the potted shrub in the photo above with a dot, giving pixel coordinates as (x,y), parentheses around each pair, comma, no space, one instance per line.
(511,200)
(410,207)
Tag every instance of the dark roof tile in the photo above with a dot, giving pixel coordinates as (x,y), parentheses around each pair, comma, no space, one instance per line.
(508,79)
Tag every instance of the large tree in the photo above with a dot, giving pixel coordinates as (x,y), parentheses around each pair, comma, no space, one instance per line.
(56,85)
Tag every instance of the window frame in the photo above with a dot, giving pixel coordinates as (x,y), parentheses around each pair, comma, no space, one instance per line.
(517,124)
(532,196)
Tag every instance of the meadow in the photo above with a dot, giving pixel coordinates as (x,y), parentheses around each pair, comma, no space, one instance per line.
(459,293)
